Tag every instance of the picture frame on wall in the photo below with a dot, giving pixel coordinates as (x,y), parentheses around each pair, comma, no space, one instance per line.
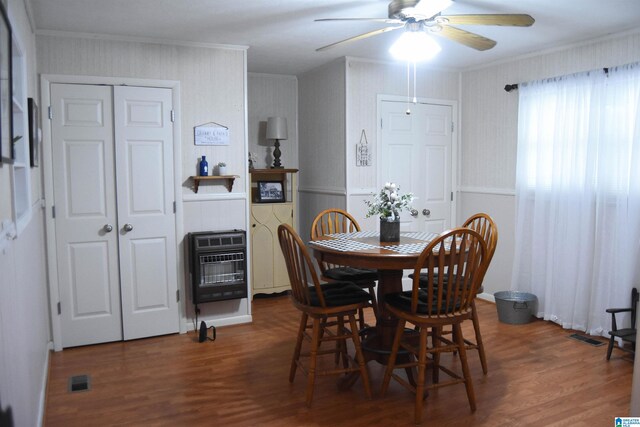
(270,192)
(6,90)
(34,132)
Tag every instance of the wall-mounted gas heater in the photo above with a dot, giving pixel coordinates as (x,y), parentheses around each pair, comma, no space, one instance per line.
(218,265)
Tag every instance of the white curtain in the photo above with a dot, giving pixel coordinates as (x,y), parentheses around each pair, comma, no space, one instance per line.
(578,195)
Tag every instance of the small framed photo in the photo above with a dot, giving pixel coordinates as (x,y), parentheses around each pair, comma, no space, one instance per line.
(270,192)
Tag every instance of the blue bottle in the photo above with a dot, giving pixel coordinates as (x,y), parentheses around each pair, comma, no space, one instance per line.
(204,166)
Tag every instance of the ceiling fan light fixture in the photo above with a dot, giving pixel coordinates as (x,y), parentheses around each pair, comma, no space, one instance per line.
(414,46)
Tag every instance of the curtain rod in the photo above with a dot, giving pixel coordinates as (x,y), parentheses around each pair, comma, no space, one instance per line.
(514,86)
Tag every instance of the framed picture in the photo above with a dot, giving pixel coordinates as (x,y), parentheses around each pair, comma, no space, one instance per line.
(270,192)
(6,91)
(34,132)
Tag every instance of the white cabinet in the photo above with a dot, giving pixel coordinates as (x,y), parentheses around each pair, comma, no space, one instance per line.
(268,270)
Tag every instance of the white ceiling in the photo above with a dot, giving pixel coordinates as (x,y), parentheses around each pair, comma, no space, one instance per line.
(282,35)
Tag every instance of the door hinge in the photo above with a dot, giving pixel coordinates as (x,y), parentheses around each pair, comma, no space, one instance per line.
(53,211)
(59,308)
(49,112)
(178,295)
(452,127)
(174,206)
(452,196)
(173,116)
(380,122)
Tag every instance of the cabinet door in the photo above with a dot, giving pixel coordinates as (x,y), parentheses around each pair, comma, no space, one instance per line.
(269,271)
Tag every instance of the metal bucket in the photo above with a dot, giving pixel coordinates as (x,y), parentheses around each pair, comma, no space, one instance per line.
(516,307)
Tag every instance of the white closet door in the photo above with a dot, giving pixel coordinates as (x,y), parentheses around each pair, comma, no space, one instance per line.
(85,207)
(144,173)
(416,153)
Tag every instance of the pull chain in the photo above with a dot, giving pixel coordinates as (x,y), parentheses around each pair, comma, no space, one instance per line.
(415,98)
(408,112)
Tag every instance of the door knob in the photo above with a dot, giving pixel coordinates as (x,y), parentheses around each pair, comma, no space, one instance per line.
(128,227)
(107,228)
(414,213)
(426,212)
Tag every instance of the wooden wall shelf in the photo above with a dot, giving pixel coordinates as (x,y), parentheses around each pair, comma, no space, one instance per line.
(272,171)
(228,180)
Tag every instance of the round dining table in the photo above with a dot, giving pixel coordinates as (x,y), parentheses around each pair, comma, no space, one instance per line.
(364,250)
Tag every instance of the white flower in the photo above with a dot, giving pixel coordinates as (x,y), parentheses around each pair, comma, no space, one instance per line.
(388,203)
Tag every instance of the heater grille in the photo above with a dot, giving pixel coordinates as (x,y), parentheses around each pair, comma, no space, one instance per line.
(218,265)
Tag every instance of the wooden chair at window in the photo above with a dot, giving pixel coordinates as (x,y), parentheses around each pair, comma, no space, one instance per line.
(332,221)
(625,334)
(326,305)
(483,224)
(456,262)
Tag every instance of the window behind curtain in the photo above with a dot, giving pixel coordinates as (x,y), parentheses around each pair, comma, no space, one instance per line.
(578,191)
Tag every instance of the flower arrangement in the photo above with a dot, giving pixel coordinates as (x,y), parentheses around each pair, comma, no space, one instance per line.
(222,164)
(388,203)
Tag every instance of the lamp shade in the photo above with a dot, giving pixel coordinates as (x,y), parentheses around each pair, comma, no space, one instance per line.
(277,128)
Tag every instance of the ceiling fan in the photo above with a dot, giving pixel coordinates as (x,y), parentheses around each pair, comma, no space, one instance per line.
(425,16)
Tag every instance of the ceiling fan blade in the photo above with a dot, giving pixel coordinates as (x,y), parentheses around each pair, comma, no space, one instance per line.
(383,20)
(360,37)
(466,38)
(513,20)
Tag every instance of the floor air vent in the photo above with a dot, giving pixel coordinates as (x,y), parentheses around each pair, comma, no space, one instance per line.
(79,383)
(587,340)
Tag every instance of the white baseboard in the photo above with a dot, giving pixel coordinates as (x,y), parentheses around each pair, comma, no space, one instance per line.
(225,321)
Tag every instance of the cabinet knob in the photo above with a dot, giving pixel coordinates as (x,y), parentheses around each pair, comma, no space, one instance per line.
(107,228)
(253,225)
(128,227)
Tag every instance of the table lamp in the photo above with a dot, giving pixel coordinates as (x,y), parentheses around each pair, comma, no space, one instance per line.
(277,129)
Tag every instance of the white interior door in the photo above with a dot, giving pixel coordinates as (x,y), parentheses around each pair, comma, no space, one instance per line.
(416,154)
(148,260)
(114,225)
(85,207)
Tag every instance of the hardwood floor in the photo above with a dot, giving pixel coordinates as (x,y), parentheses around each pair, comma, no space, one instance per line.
(537,377)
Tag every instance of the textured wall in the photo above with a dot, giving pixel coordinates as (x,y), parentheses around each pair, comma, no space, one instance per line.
(24,312)
(272,95)
(489,133)
(321,101)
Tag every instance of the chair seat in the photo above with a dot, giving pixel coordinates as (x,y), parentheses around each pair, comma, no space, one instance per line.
(351,274)
(424,281)
(402,301)
(340,293)
(628,334)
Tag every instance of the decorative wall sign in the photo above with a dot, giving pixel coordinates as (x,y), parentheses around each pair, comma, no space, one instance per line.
(211,133)
(363,152)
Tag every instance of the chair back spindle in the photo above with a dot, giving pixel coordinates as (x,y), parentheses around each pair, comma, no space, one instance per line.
(455,263)
(299,267)
(332,221)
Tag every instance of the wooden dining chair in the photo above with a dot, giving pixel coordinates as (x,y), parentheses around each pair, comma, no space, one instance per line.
(456,262)
(326,306)
(332,221)
(483,224)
